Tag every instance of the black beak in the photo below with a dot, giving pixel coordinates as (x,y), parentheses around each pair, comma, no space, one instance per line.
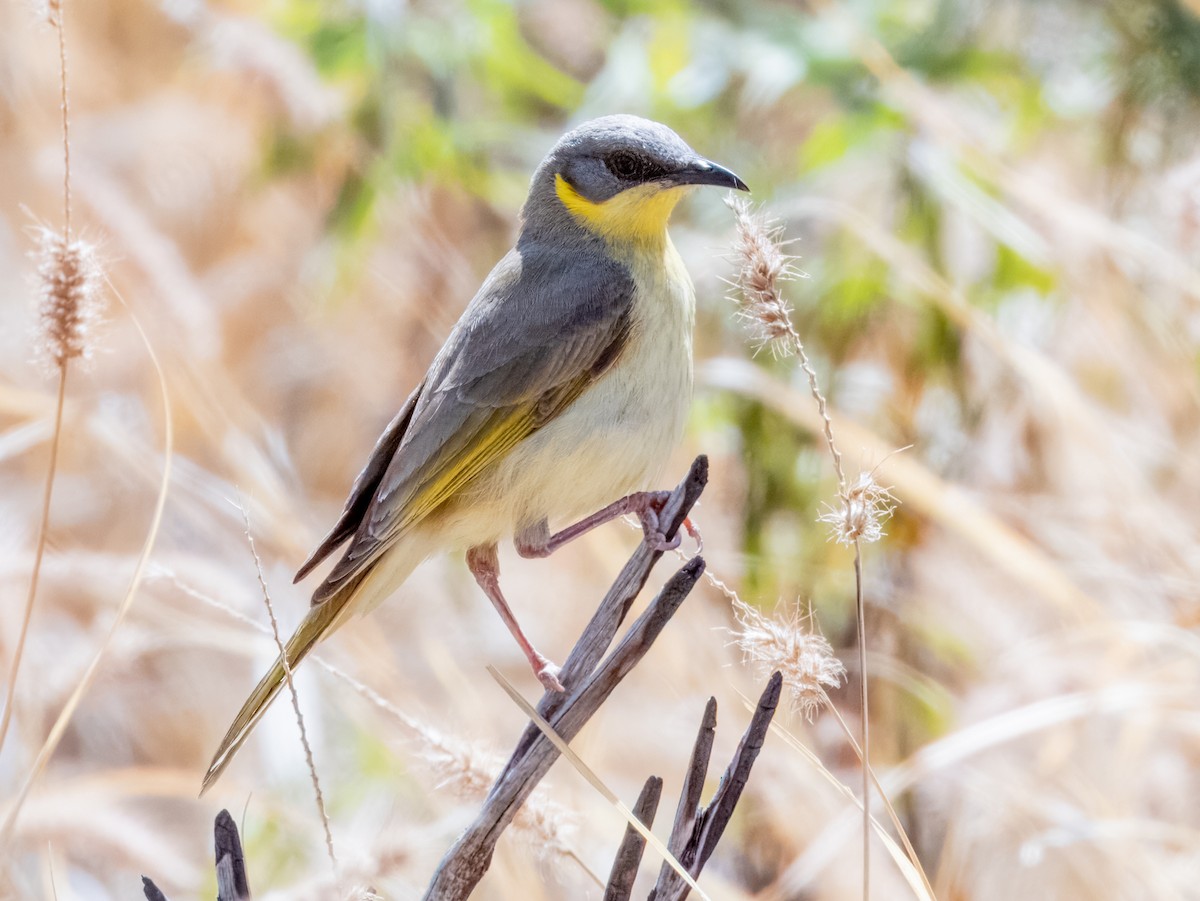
(706,172)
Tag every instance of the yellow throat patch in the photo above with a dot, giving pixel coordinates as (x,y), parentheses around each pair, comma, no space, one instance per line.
(637,215)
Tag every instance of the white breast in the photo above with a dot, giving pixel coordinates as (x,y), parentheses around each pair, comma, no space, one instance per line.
(617,436)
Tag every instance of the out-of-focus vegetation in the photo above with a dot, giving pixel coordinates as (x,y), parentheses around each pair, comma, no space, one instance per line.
(997,206)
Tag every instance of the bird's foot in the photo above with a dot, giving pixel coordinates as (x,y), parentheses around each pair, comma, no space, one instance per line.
(648,505)
(547,673)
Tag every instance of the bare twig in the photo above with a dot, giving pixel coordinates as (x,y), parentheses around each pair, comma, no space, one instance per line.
(152,891)
(612,611)
(581,767)
(232,884)
(716,816)
(709,822)
(588,686)
(689,796)
(629,854)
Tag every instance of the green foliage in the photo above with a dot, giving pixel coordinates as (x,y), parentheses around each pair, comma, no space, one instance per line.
(841,134)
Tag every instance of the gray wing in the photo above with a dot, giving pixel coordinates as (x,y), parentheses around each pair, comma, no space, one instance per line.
(543,328)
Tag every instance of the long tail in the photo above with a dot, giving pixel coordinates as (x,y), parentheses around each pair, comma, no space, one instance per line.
(320,621)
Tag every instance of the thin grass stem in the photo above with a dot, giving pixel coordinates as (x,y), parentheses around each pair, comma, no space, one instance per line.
(68,711)
(287,671)
(39,552)
(797,347)
(860,611)
(887,804)
(56,438)
(61,28)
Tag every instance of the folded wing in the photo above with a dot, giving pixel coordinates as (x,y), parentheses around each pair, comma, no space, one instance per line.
(541,330)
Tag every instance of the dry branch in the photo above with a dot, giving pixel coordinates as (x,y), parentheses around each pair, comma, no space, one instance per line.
(231,864)
(629,853)
(693,785)
(588,686)
(697,830)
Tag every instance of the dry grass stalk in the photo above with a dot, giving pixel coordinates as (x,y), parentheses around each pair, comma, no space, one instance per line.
(68,711)
(808,665)
(291,684)
(887,804)
(69,276)
(762,266)
(906,859)
(804,658)
(862,507)
(55,15)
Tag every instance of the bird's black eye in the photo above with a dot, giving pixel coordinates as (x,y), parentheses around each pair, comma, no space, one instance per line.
(626,165)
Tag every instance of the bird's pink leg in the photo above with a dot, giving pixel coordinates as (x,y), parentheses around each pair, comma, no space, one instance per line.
(485,567)
(537,541)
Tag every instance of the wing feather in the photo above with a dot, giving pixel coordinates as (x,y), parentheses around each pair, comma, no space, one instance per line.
(541,330)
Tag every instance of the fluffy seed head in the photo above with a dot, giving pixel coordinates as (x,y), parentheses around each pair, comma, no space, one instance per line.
(860,512)
(793,647)
(468,771)
(69,298)
(762,265)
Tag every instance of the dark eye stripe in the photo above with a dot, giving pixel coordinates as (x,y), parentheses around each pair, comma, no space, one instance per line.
(628,165)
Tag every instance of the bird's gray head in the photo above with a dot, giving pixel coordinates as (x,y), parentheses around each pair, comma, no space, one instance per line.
(618,178)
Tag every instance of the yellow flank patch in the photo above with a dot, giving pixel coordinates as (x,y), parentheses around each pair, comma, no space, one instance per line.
(636,215)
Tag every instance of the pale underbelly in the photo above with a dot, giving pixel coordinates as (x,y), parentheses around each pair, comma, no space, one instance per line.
(612,441)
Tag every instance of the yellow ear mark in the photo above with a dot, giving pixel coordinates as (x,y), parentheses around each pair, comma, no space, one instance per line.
(639,214)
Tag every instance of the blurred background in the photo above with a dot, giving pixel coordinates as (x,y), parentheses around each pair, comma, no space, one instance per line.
(997,207)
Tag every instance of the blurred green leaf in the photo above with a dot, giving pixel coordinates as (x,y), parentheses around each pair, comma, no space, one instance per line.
(510,68)
(836,136)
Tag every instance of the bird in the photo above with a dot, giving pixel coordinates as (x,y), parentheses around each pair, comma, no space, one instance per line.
(556,397)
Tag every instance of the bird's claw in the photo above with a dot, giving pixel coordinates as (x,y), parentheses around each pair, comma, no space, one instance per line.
(652,503)
(660,542)
(547,674)
(652,530)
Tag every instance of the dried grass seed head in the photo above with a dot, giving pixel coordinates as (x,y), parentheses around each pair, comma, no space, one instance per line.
(791,645)
(762,265)
(860,512)
(468,770)
(50,11)
(69,277)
